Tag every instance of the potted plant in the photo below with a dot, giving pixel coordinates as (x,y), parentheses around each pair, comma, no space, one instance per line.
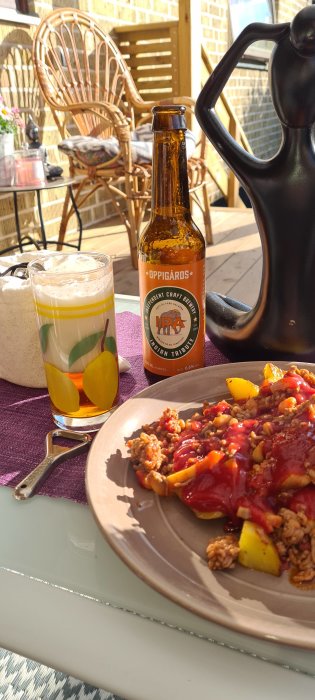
(10,121)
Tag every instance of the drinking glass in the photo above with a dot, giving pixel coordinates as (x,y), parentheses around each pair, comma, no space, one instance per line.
(29,169)
(74,300)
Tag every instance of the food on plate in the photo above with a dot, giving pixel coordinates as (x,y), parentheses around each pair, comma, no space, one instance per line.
(257,550)
(249,460)
(241,388)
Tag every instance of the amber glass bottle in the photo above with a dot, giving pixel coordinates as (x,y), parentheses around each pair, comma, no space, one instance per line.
(171,258)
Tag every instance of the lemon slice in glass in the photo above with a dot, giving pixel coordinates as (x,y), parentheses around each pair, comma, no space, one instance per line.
(100,380)
(62,391)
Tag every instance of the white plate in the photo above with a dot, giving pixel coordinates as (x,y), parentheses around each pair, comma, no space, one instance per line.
(164,543)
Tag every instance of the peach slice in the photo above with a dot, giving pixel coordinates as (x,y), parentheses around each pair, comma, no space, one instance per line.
(241,388)
(257,550)
(272,372)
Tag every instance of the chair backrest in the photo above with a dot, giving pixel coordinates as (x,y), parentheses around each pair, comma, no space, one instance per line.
(76,62)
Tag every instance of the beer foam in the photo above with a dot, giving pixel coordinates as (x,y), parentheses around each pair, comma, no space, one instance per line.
(71,277)
(75,262)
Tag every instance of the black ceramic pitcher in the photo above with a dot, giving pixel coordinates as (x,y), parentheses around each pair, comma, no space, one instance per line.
(282,192)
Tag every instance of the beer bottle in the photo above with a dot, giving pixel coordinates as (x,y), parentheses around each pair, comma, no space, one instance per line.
(171,255)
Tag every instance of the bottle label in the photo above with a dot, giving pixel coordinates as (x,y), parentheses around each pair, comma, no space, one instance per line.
(173,317)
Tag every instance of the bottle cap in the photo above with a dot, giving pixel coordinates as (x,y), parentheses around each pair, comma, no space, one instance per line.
(169,117)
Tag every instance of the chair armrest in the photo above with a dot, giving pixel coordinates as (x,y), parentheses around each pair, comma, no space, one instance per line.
(112,114)
(142,106)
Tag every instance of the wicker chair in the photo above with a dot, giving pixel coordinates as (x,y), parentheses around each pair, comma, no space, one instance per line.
(89,88)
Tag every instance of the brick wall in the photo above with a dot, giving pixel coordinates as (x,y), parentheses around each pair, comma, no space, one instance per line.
(247,90)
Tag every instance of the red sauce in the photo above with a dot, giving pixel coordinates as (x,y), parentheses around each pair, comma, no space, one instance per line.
(305,499)
(217,490)
(234,482)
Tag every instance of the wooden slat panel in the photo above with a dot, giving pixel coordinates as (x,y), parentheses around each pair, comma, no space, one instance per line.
(144,35)
(175,56)
(155,84)
(154,47)
(157,60)
(163,74)
(154,72)
(155,94)
(133,28)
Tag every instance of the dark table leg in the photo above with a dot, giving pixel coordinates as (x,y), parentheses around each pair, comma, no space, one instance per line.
(17,221)
(74,204)
(40,214)
(26,240)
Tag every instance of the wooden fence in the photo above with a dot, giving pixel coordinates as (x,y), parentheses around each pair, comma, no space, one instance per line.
(157,55)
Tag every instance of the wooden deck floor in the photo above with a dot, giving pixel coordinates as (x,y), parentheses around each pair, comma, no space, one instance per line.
(233,264)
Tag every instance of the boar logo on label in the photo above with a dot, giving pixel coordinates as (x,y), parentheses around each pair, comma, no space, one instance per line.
(171,321)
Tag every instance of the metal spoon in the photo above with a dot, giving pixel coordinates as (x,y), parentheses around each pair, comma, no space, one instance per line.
(20,269)
(54,455)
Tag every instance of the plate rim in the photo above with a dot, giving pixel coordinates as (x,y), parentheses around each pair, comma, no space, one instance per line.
(162,588)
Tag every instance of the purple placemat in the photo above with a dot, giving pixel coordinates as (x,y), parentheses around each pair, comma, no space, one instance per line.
(26,418)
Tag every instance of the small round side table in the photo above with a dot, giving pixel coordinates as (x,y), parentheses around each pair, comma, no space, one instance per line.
(48,185)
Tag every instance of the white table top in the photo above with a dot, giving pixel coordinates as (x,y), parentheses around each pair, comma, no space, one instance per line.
(69,602)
